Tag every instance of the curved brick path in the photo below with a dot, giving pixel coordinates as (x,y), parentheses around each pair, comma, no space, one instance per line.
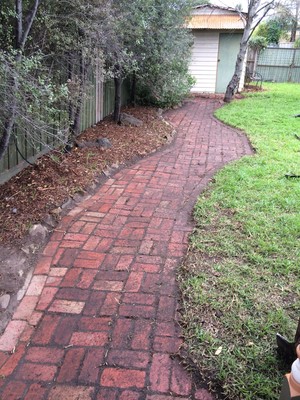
(98,319)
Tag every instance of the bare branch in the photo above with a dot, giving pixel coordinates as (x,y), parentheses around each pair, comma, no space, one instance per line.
(258,22)
(29,19)
(267,7)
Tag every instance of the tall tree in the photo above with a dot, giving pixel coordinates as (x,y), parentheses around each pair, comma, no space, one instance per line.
(295,20)
(257,10)
(163,72)
(12,62)
(275,27)
(287,11)
(152,34)
(46,49)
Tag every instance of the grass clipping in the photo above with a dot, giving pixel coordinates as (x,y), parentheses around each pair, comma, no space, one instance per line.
(240,282)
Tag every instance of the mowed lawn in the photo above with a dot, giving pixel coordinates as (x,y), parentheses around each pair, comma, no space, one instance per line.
(241,280)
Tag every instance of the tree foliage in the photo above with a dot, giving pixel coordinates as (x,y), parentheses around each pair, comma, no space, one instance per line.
(288,11)
(48,48)
(272,30)
(157,46)
(44,55)
(258,43)
(282,24)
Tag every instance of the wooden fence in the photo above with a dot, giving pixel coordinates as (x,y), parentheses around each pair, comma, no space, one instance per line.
(98,102)
(277,64)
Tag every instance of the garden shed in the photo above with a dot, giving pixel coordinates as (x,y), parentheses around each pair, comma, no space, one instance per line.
(217,34)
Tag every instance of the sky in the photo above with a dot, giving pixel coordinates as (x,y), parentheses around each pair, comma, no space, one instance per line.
(230,3)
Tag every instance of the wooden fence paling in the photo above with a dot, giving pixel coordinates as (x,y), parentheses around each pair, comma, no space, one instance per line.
(277,64)
(98,103)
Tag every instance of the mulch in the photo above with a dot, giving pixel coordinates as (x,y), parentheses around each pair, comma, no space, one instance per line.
(39,190)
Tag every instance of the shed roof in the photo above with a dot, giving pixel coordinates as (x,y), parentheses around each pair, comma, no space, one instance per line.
(215,17)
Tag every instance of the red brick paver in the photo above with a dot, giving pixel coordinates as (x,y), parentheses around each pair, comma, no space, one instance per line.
(98,320)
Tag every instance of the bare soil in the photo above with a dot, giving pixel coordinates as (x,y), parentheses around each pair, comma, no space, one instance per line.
(58,180)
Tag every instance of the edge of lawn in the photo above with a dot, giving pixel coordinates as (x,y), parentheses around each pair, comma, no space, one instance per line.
(240,280)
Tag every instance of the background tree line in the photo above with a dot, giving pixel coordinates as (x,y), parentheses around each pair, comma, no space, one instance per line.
(48,48)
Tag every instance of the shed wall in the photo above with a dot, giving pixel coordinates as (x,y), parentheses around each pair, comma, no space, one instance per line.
(203,64)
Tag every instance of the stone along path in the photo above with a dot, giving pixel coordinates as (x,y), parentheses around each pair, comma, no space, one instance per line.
(98,320)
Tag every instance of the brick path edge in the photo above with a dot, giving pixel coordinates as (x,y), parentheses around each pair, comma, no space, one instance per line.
(99,318)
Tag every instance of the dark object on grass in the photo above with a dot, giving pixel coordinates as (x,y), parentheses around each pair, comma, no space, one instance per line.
(297,115)
(297,137)
(286,349)
(292,176)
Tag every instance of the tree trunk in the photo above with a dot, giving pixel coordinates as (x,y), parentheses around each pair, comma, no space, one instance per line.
(29,20)
(235,80)
(118,99)
(11,119)
(20,40)
(256,54)
(133,90)
(295,23)
(70,79)
(253,11)
(293,31)
(76,113)
(7,131)
(19,22)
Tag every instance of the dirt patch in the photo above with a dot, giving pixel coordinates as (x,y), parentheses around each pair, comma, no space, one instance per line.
(253,88)
(44,192)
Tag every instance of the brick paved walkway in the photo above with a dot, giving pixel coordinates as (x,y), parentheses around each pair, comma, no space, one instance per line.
(98,320)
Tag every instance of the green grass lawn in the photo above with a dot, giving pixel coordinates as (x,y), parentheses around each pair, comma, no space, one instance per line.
(240,282)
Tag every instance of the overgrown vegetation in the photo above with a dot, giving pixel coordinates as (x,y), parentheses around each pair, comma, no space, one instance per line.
(51,51)
(240,282)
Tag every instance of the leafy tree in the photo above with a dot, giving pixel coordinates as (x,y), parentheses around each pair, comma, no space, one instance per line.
(48,48)
(15,67)
(74,35)
(257,10)
(272,30)
(195,3)
(44,61)
(258,42)
(152,34)
(164,69)
(288,11)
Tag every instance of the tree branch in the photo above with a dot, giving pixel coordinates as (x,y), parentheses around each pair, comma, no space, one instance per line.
(19,22)
(259,21)
(266,7)
(29,19)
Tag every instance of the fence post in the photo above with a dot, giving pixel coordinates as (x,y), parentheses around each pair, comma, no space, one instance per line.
(292,66)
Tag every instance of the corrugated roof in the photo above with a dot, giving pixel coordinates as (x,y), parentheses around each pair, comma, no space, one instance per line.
(216,22)
(210,21)
(213,7)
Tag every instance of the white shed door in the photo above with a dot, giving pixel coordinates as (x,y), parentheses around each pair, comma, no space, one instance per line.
(203,64)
